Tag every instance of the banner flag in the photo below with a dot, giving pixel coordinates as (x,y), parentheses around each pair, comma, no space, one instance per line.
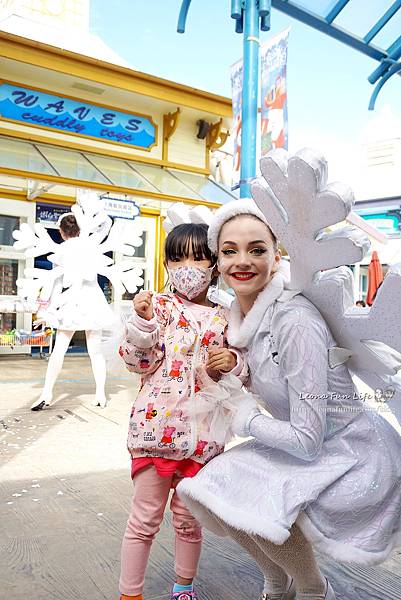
(274,115)
(236,85)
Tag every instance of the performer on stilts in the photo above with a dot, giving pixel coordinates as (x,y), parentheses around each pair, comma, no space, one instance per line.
(69,296)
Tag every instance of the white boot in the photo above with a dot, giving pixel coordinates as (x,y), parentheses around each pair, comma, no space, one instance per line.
(328,595)
(288,595)
(99,400)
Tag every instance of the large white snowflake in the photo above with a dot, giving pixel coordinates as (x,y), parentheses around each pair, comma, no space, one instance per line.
(80,259)
(296,199)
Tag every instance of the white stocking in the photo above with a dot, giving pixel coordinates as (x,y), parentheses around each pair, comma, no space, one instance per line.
(55,364)
(93,340)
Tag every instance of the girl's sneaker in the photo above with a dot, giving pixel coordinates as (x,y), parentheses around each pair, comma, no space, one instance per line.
(184,595)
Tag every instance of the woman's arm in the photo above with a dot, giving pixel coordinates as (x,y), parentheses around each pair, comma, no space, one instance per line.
(302,355)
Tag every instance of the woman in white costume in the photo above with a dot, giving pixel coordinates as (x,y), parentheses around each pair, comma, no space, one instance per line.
(322,470)
(84,308)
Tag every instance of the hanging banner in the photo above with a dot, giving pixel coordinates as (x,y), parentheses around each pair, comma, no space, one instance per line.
(274,117)
(236,86)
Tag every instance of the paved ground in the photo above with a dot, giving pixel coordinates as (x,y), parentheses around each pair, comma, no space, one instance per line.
(65,492)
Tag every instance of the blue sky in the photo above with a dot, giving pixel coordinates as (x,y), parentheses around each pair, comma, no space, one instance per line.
(328,91)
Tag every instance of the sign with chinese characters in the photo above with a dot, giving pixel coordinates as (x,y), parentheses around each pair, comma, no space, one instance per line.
(123,209)
(40,109)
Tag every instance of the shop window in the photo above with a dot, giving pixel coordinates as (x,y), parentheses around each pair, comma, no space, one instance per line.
(7,226)
(140,251)
(364,283)
(8,322)
(8,277)
(129,296)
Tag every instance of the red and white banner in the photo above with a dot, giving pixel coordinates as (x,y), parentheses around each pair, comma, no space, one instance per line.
(274,117)
(236,85)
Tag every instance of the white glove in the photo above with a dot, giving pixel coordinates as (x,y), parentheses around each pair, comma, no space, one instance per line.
(246,411)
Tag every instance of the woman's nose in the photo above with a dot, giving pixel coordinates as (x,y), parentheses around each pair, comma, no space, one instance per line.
(243,259)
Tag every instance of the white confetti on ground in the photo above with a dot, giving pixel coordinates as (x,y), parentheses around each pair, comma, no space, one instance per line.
(60,493)
(36,485)
(35,499)
(100,514)
(10,502)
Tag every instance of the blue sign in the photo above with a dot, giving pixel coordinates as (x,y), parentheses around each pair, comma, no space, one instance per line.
(40,109)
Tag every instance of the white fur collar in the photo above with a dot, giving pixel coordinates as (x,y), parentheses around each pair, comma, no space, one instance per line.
(241,330)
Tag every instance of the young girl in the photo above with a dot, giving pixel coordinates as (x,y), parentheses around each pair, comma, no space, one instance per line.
(177,343)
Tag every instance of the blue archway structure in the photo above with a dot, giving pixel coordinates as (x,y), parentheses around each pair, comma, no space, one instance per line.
(325,16)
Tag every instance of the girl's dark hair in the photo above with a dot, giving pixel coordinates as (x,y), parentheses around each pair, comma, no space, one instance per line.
(180,239)
(69,226)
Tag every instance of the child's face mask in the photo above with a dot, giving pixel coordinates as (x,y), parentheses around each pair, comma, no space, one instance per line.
(190,281)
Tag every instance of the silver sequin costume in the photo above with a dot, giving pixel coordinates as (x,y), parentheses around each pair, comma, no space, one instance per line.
(326,459)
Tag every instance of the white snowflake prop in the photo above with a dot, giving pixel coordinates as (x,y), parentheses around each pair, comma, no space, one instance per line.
(299,204)
(79,260)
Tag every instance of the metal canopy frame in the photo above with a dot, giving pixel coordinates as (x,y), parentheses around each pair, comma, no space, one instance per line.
(389,58)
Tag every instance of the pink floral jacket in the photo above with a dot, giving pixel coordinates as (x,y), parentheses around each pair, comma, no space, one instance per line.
(170,352)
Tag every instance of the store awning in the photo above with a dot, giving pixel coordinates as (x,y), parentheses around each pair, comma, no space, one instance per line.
(56,165)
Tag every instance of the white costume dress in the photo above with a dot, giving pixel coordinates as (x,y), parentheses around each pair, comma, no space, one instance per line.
(83,306)
(325,460)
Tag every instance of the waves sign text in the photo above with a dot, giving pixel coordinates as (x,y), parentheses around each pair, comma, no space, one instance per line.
(40,109)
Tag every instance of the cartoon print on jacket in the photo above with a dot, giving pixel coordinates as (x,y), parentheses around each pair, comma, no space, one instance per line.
(169,379)
(175,372)
(209,335)
(151,413)
(200,447)
(167,435)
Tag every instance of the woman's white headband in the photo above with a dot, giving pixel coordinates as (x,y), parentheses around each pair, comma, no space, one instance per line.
(244,206)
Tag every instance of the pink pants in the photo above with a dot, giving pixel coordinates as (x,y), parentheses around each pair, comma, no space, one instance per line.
(148,504)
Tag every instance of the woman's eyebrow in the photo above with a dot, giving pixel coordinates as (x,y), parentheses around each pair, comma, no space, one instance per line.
(228,242)
(257,242)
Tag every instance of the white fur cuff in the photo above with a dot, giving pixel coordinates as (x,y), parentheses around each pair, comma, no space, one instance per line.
(246,411)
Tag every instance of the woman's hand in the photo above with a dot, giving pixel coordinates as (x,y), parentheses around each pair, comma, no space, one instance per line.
(221,359)
(143,305)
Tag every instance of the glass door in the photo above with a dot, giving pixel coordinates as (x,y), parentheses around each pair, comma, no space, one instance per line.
(12,266)
(144,258)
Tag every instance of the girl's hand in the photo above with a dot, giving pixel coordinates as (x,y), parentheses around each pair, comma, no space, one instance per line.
(221,359)
(143,305)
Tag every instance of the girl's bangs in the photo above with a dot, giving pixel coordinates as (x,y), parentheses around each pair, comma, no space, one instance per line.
(180,240)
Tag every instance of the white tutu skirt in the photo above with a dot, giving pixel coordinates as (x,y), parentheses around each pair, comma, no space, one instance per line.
(89,311)
(347,501)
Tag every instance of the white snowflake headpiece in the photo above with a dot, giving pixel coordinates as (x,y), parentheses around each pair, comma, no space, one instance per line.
(245,206)
(179,213)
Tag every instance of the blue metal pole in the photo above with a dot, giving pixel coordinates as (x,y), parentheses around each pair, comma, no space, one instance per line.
(249,96)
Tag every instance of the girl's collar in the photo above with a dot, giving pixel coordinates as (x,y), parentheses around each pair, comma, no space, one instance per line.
(242,329)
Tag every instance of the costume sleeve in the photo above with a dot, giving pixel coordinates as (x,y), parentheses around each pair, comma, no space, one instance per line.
(302,355)
(143,347)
